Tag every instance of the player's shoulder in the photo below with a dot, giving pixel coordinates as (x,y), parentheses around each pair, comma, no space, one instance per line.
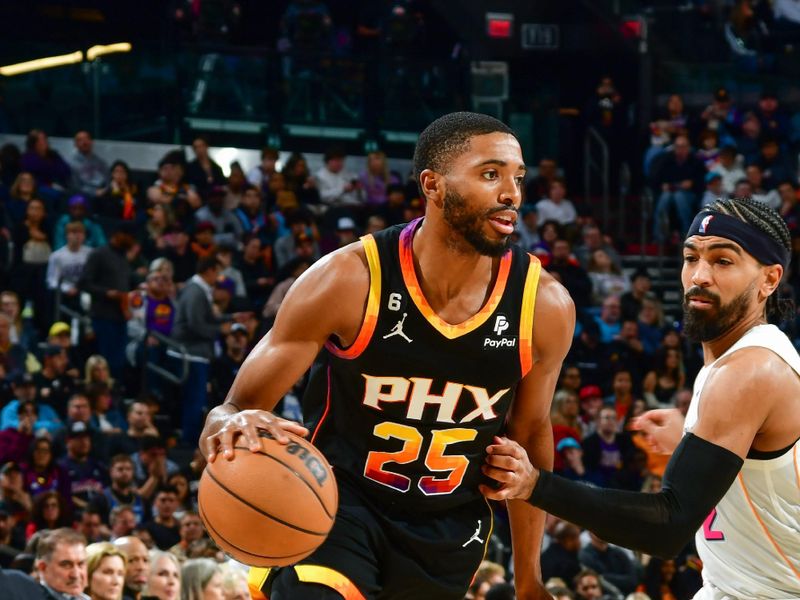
(751,366)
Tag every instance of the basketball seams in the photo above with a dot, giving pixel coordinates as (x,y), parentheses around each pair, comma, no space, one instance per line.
(296,474)
(262,511)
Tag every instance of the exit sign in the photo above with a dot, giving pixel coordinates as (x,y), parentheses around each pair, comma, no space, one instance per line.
(540,36)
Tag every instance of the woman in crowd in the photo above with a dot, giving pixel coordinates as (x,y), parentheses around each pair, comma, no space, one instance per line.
(549,232)
(158,224)
(299,180)
(22,191)
(32,249)
(185,501)
(120,199)
(607,279)
(668,376)
(164,580)
(41,473)
(105,417)
(98,371)
(105,571)
(202,580)
(43,162)
(376,178)
(22,331)
(50,511)
(565,417)
(234,583)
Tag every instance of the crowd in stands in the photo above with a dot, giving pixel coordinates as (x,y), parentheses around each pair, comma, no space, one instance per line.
(107,276)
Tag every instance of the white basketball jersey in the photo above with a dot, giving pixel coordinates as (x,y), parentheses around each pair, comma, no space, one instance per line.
(750,543)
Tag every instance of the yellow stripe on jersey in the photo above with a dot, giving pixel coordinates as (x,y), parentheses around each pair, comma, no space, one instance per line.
(373,304)
(329,578)
(526,318)
(764,527)
(256,578)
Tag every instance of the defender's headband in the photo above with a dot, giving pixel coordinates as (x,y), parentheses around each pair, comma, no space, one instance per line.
(754,241)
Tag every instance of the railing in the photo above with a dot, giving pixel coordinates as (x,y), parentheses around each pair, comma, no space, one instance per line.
(593,144)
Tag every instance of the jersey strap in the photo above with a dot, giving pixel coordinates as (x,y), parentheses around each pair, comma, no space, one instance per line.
(373,305)
(329,578)
(526,317)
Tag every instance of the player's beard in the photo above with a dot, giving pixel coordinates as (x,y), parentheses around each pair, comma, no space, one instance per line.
(468,225)
(708,324)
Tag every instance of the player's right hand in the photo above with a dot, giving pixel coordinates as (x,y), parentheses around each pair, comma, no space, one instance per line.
(246,424)
(662,427)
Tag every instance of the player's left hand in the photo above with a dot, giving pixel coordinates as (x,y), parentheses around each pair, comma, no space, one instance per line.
(508,464)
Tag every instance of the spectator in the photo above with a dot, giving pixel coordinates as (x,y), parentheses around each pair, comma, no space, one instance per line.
(164,526)
(757,189)
(12,492)
(622,392)
(250,212)
(89,171)
(180,482)
(651,323)
(749,141)
(77,207)
(607,279)
(201,579)
(50,511)
(32,249)
(538,186)
(106,566)
(592,239)
(570,378)
(120,199)
(106,276)
(631,301)
(775,165)
(179,252)
(170,188)
(122,520)
(376,179)
(662,580)
(235,188)
(723,117)
(613,564)
(591,397)
(663,131)
(234,583)
(560,559)
(44,163)
(203,173)
(606,452)
(22,191)
(105,417)
(79,410)
(164,577)
(338,187)
(92,527)
(708,151)
(667,377)
(258,279)
(260,175)
(53,384)
(587,353)
(298,180)
(139,425)
(24,390)
(589,586)
(87,475)
(61,564)
(13,357)
(65,265)
(570,455)
(610,319)
(151,466)
(225,367)
(299,223)
(557,208)
(713,190)
(203,244)
(527,229)
(197,327)
(678,176)
(627,351)
(225,254)
(60,334)
(11,542)
(729,168)
(41,473)
(226,226)
(137,571)
(566,269)
(122,491)
(15,441)
(774,121)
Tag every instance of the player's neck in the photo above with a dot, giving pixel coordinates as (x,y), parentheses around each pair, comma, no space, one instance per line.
(715,348)
(445,271)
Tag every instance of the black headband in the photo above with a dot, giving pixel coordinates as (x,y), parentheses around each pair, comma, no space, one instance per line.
(754,241)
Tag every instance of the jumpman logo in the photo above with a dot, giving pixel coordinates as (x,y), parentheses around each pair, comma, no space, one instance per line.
(398,330)
(475,537)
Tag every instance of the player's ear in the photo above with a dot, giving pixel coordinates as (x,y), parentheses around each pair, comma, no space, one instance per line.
(432,184)
(772,279)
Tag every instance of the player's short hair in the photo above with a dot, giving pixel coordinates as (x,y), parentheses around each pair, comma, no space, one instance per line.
(63,535)
(448,137)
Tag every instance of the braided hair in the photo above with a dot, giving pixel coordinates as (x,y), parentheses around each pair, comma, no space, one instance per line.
(768,221)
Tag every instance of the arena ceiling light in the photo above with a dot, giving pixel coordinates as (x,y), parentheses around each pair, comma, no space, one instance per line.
(38,64)
(98,51)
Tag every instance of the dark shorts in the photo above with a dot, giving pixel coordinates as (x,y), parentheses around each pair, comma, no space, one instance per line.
(376,556)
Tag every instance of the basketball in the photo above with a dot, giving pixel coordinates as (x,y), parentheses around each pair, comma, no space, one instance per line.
(269,508)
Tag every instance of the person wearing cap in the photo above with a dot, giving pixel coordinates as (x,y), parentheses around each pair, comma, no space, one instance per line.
(107,278)
(713,189)
(224,368)
(338,186)
(203,172)
(227,228)
(77,210)
(87,475)
(298,222)
(570,455)
(65,265)
(12,491)
(60,334)
(591,399)
(723,117)
(346,231)
(24,389)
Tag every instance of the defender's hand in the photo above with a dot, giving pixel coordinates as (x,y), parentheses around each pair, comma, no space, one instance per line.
(508,464)
(247,423)
(662,427)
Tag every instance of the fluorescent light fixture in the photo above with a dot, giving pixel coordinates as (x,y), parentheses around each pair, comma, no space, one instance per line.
(42,63)
(97,51)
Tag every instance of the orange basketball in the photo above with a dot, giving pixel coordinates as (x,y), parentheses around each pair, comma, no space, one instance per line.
(269,508)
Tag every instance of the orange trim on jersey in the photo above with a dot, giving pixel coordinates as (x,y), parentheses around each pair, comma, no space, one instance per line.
(327,407)
(373,305)
(796,468)
(764,527)
(526,317)
(329,578)
(415,291)
(256,578)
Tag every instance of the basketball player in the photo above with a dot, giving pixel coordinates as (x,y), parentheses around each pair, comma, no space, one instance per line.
(440,336)
(736,470)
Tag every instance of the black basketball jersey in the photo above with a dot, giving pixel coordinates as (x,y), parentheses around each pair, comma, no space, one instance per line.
(408,410)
